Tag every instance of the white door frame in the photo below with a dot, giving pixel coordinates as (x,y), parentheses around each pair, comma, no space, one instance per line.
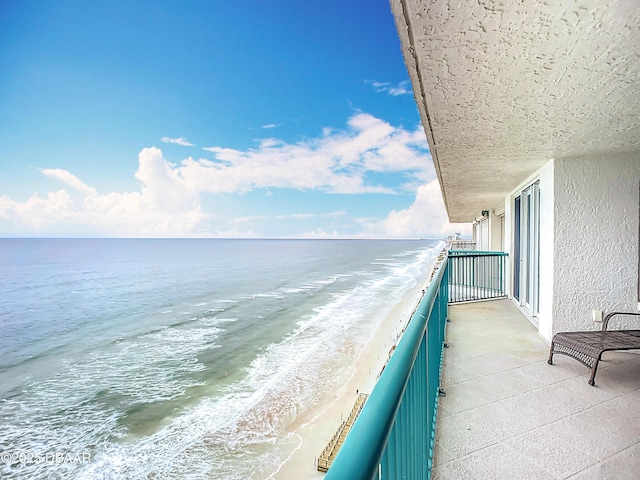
(529,250)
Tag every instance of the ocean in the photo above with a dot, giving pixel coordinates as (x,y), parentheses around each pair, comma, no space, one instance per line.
(181,359)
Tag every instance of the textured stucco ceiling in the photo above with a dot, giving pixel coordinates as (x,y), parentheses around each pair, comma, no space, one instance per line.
(504,86)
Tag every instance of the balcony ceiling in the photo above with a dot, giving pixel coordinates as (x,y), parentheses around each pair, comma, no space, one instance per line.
(504,86)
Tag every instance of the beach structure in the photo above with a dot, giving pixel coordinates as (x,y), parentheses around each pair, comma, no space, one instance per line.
(333,446)
(532,114)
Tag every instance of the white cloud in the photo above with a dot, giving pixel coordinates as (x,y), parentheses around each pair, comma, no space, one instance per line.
(402,88)
(426,217)
(248,219)
(296,216)
(336,162)
(36,212)
(319,233)
(270,125)
(178,141)
(339,213)
(163,185)
(168,201)
(233,233)
(69,179)
(164,206)
(264,143)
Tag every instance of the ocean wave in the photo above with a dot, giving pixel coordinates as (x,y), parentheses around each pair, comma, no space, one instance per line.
(263,295)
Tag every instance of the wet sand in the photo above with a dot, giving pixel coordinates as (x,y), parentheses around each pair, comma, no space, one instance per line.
(317,424)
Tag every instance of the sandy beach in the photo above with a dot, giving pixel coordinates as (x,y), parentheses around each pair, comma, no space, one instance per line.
(319,422)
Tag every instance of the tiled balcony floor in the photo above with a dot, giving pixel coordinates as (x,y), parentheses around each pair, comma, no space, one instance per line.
(509,415)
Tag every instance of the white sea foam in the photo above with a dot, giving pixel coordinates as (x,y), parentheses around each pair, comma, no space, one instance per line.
(293,290)
(250,415)
(135,372)
(225,320)
(254,411)
(263,295)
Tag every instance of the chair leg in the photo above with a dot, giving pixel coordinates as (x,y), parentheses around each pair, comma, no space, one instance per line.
(550,359)
(592,379)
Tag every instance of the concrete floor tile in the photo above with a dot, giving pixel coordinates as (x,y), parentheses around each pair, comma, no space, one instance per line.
(635,394)
(627,404)
(499,462)
(492,363)
(530,412)
(454,374)
(452,471)
(595,394)
(604,472)
(622,466)
(620,421)
(490,388)
(440,455)
(567,446)
(519,381)
(572,395)
(458,354)
(465,432)
(459,399)
(620,376)
(627,461)
(442,410)
(563,368)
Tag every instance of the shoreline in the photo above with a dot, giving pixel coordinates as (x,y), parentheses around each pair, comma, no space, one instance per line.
(320,421)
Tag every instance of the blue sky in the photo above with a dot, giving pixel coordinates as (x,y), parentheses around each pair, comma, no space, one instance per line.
(214,119)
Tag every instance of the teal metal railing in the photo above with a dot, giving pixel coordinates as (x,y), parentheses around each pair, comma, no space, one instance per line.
(393,437)
(475,275)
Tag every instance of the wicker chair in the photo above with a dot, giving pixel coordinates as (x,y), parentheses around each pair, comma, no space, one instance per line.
(588,347)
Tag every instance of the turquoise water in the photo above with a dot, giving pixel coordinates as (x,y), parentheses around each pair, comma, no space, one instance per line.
(124,359)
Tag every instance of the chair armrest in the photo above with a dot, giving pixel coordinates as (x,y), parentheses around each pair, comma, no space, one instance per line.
(605,322)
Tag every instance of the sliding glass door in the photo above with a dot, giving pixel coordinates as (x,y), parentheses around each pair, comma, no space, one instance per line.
(526,280)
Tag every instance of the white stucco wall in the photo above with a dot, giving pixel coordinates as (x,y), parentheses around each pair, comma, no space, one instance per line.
(484,236)
(595,267)
(495,233)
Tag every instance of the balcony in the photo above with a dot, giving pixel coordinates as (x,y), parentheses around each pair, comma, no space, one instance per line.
(507,414)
